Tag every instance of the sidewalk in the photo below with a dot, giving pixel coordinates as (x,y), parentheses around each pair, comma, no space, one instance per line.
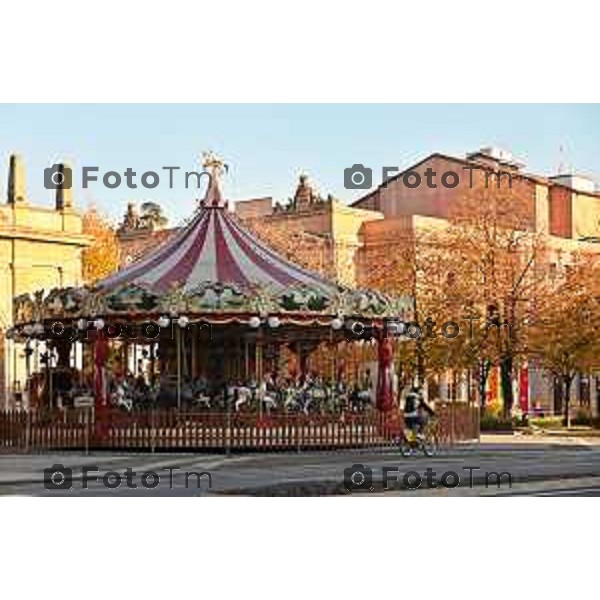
(21,469)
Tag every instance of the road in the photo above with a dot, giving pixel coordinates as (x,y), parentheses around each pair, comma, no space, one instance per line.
(536,467)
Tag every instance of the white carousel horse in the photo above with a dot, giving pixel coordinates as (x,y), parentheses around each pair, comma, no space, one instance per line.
(266,398)
(290,398)
(202,399)
(314,396)
(121,399)
(244,396)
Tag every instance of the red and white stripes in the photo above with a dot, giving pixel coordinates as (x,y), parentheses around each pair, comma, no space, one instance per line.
(213,248)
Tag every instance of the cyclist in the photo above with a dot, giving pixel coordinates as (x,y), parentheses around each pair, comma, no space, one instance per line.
(416,411)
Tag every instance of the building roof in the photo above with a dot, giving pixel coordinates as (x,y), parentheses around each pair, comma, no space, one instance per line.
(471,163)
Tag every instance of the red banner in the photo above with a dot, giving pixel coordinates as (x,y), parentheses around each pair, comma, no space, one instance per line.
(524,389)
(384,375)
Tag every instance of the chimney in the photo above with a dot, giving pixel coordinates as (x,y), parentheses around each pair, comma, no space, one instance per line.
(16,180)
(64,177)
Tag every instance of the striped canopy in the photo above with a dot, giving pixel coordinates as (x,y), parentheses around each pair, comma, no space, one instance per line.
(215,248)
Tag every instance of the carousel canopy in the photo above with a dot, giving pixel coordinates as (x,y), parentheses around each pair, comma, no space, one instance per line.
(215,248)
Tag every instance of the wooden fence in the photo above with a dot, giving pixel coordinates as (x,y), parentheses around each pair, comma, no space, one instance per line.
(150,430)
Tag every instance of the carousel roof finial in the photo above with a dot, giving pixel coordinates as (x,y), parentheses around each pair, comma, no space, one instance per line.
(215,167)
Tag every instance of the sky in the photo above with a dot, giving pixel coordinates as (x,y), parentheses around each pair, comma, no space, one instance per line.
(267,146)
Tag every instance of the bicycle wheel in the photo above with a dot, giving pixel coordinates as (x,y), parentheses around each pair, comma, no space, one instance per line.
(405,447)
(429,445)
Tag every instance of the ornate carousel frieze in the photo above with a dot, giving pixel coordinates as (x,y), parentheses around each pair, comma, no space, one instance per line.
(210,301)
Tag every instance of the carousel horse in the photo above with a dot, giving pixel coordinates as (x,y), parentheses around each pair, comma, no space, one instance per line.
(266,397)
(201,398)
(313,397)
(122,397)
(359,400)
(293,399)
(244,396)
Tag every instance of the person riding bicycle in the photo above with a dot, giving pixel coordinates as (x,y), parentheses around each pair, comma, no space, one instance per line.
(416,411)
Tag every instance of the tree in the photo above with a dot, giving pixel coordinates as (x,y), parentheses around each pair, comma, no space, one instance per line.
(412,262)
(566,334)
(101,258)
(493,245)
(152,216)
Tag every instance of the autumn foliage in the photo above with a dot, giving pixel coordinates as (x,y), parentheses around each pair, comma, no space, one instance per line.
(101,258)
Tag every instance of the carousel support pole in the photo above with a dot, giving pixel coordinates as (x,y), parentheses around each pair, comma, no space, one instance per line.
(28,352)
(36,357)
(193,358)
(246,361)
(153,348)
(80,370)
(50,378)
(100,348)
(259,369)
(178,342)
(124,358)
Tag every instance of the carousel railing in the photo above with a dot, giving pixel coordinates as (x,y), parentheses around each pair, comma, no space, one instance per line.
(158,430)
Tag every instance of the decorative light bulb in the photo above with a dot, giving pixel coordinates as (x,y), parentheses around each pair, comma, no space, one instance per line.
(163,321)
(337,323)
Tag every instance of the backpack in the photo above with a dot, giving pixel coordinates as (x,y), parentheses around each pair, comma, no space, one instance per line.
(410,402)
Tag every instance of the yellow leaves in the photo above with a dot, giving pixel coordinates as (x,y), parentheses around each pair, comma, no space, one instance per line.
(102,257)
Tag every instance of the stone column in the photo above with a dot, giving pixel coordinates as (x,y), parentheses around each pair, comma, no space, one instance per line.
(16,180)
(64,197)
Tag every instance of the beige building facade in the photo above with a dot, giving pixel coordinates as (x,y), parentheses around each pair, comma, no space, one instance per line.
(40,248)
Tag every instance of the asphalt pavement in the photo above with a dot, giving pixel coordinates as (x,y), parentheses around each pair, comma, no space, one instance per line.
(497,466)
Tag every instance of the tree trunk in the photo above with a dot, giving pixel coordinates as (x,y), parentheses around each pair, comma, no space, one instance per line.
(506,369)
(484,370)
(567,379)
(420,363)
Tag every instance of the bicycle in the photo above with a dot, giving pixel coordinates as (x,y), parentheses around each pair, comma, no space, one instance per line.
(426,441)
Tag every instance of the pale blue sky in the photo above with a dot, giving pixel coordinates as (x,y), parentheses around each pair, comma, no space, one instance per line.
(267,146)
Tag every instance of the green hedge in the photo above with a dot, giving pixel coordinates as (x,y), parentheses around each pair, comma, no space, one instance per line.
(492,422)
(547,422)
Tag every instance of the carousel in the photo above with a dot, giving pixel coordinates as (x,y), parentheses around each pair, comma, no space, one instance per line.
(213,319)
